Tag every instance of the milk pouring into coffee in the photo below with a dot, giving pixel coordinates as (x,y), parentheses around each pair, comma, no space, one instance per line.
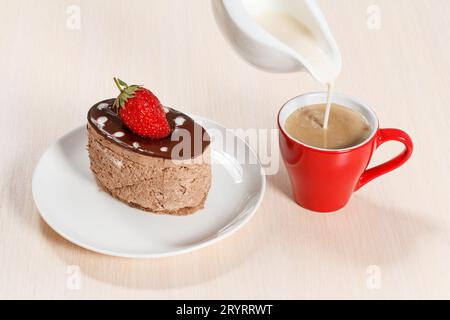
(282,36)
(326,140)
(299,38)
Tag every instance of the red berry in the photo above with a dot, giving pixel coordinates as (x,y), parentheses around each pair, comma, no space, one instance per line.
(141,111)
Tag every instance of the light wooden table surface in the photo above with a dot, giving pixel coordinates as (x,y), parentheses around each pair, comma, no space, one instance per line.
(400,224)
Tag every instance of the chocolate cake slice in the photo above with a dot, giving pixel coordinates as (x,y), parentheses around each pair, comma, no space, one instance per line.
(169,176)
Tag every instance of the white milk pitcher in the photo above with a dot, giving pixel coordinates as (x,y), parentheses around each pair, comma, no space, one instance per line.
(280,35)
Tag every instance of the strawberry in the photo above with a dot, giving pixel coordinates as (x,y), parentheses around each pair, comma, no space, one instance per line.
(141,111)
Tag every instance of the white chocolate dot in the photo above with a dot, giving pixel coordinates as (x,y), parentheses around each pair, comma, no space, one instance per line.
(166,110)
(164,149)
(102,106)
(119,134)
(102,120)
(179,121)
(136,145)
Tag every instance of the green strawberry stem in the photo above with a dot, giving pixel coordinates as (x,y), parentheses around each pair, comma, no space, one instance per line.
(126,92)
(116,81)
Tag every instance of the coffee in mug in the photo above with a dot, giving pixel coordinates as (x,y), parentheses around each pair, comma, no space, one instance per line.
(346,127)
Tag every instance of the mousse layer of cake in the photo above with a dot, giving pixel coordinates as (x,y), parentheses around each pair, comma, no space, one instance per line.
(147,174)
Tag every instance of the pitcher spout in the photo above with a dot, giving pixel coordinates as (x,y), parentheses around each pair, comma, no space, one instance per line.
(256,29)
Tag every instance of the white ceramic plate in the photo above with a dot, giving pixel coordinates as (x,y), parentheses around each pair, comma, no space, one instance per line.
(70,201)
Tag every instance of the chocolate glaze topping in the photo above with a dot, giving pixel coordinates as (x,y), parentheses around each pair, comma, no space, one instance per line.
(109,125)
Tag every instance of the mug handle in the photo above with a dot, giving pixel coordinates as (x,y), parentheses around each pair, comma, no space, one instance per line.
(386,135)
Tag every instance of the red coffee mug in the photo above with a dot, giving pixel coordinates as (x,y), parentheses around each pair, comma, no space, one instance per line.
(324,180)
